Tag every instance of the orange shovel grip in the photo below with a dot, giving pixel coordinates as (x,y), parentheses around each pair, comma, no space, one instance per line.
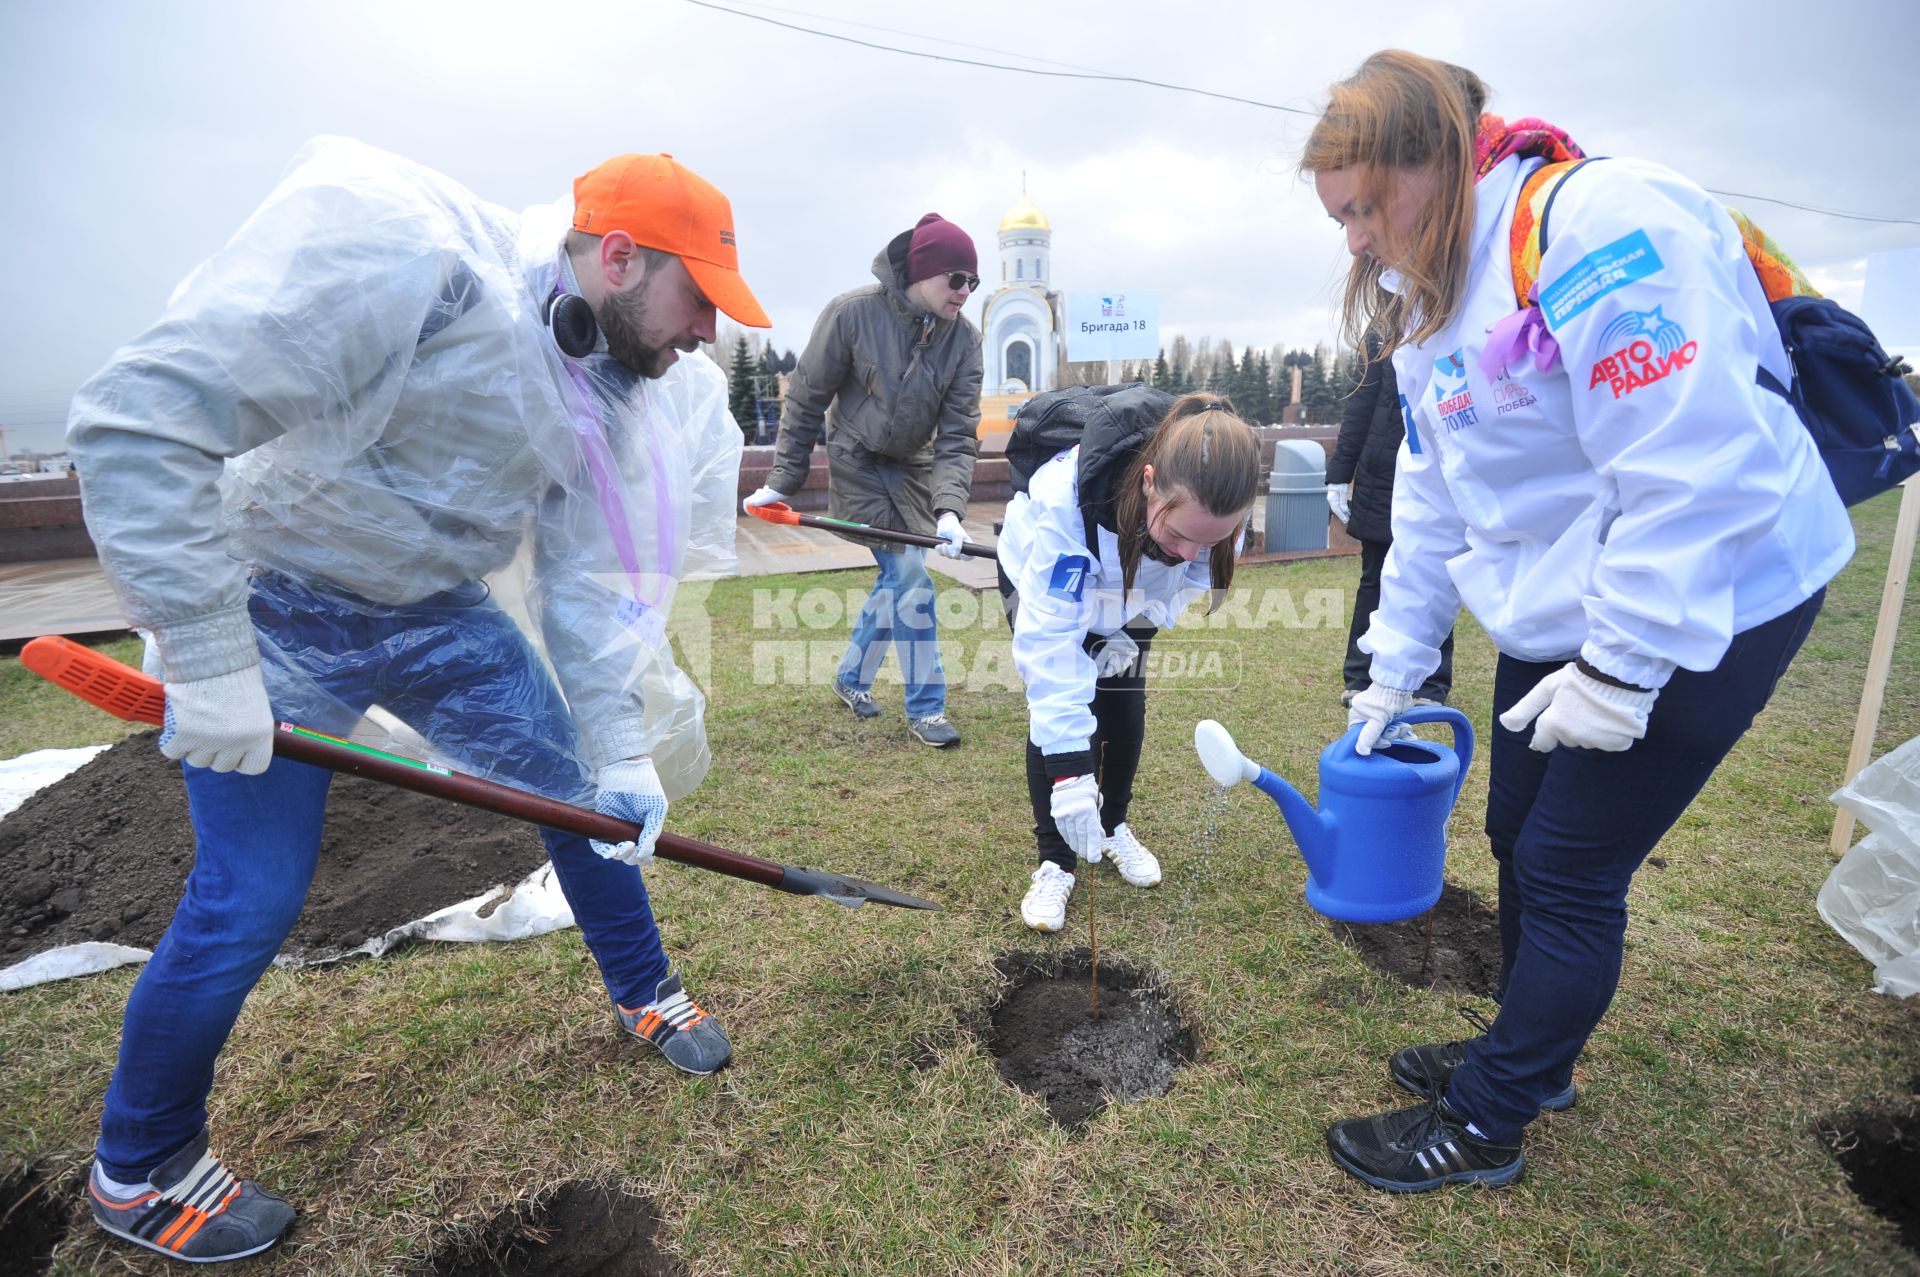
(774,512)
(121,690)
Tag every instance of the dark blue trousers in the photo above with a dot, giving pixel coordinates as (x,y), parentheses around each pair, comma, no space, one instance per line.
(1569,828)
(455,668)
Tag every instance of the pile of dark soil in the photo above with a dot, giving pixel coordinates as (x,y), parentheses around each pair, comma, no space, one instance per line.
(1046,1040)
(104,854)
(579,1228)
(1464,956)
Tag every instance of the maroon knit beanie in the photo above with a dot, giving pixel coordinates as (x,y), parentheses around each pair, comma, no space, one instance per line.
(937,247)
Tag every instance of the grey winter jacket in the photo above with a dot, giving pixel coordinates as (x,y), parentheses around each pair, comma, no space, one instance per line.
(898,392)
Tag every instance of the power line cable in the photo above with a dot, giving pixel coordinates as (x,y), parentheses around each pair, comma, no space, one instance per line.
(1089,74)
(915,35)
(999,66)
(1809,208)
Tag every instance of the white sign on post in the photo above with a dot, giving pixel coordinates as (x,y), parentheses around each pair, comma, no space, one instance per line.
(1114,325)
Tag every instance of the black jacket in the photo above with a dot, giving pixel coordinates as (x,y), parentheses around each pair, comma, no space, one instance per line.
(1366,453)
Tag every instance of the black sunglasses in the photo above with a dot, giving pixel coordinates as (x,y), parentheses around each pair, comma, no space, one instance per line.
(958,279)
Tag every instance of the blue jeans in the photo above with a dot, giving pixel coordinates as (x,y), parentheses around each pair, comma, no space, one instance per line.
(456,669)
(1569,829)
(899,610)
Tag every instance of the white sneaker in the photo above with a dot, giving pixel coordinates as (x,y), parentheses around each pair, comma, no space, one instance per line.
(1135,863)
(1045,908)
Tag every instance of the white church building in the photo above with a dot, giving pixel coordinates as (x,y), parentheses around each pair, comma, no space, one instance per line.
(1023,328)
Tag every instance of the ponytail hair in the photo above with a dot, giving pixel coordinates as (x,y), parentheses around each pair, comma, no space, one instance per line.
(1201,452)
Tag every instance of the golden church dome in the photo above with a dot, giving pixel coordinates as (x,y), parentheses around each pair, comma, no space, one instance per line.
(1024,217)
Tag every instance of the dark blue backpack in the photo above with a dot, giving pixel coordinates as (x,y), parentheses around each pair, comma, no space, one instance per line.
(1851,395)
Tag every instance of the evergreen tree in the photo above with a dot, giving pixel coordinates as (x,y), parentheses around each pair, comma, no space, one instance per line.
(1269,403)
(1220,372)
(1246,388)
(1317,389)
(740,388)
(1162,375)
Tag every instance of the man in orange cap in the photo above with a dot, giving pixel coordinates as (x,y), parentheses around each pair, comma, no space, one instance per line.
(390,385)
(653,248)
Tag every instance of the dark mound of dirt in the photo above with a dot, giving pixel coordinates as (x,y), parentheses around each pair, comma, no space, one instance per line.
(1880,1152)
(1465,955)
(579,1229)
(104,854)
(1046,1041)
(36,1209)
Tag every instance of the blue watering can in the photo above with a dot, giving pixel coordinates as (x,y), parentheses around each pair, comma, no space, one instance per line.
(1377,846)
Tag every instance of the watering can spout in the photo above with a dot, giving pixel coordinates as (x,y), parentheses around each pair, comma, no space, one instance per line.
(1228,766)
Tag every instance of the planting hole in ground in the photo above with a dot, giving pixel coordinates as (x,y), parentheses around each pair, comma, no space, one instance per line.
(1046,1041)
(579,1229)
(36,1208)
(1880,1152)
(1465,955)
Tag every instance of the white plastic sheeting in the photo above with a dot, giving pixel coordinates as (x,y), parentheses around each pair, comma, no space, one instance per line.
(1872,897)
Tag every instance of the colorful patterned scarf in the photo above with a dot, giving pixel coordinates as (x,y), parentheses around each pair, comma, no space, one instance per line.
(1496,140)
(1524,331)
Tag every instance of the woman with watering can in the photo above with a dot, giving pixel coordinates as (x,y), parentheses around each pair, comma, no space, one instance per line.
(1643,531)
(1111,540)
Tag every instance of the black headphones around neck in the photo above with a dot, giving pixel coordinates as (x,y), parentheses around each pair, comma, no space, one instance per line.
(570,319)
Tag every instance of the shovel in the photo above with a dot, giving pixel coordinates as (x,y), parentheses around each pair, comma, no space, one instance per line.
(128,694)
(780,512)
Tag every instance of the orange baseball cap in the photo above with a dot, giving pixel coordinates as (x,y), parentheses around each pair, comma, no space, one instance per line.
(665,205)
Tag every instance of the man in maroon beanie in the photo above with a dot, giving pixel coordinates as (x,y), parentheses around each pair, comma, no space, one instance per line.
(893,373)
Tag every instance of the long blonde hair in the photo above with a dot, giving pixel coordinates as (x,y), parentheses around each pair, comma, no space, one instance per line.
(1402,112)
(1200,448)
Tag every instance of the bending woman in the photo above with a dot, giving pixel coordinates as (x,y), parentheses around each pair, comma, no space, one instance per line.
(1111,542)
(1644,532)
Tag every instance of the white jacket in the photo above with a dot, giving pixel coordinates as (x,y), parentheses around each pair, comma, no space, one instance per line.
(1643,501)
(1069,590)
(359,391)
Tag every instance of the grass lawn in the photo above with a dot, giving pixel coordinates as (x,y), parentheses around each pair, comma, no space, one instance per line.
(862,1127)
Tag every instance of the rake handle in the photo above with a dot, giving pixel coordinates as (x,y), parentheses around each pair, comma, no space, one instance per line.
(780,512)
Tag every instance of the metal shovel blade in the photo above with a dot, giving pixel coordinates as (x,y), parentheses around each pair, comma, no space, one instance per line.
(844,889)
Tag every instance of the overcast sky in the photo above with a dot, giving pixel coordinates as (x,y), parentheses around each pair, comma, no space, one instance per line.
(137,136)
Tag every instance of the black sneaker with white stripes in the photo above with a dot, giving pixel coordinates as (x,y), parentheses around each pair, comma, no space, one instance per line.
(192,1208)
(1414,1149)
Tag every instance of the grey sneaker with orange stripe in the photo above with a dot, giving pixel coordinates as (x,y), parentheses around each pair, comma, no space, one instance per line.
(692,1040)
(192,1208)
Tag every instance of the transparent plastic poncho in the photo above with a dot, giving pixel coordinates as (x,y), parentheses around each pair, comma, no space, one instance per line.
(406,446)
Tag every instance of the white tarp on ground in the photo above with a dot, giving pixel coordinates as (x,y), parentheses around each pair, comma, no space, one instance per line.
(1872,897)
(531,907)
(28,774)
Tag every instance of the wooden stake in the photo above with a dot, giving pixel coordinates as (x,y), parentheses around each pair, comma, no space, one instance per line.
(1880,659)
(1093,939)
(1093,943)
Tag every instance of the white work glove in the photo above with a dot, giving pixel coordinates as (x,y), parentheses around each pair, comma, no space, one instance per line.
(1575,709)
(950,530)
(1076,814)
(1116,655)
(764,496)
(221,723)
(1377,707)
(630,789)
(1337,501)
